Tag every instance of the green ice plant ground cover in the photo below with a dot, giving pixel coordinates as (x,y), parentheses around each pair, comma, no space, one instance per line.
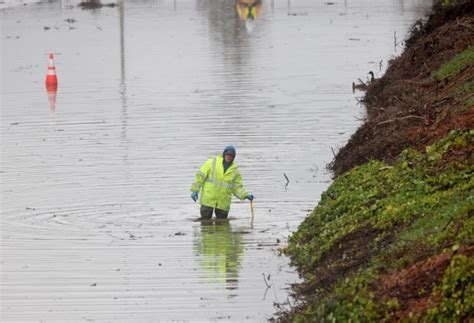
(418,207)
(455,65)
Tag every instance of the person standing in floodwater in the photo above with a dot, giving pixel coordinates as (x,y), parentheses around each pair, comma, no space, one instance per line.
(218,179)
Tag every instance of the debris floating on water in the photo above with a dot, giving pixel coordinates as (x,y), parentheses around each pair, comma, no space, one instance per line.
(287,180)
(95,4)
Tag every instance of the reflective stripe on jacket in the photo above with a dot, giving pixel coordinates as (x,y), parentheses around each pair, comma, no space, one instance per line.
(217,187)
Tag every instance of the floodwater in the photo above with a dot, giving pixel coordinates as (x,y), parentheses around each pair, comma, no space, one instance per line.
(96,217)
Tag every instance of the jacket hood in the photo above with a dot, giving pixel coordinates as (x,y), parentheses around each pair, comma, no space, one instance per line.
(229,149)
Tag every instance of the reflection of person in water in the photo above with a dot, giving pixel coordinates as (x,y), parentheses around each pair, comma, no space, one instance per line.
(249,11)
(219,250)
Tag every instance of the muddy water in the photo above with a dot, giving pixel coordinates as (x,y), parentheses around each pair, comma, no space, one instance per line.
(96,218)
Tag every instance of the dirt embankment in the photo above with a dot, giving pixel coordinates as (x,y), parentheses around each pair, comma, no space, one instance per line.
(412,105)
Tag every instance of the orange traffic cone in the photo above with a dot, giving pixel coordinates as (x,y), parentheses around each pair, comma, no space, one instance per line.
(51,84)
(51,79)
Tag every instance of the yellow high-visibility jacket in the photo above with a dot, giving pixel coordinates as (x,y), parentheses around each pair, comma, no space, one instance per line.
(217,187)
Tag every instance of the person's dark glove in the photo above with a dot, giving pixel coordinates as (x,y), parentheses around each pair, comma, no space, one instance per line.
(249,197)
(194,196)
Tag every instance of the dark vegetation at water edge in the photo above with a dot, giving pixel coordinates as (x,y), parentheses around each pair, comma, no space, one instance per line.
(392,239)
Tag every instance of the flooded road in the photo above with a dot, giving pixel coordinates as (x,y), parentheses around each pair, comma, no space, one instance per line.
(97,222)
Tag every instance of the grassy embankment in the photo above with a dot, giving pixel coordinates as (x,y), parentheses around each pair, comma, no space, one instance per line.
(392,238)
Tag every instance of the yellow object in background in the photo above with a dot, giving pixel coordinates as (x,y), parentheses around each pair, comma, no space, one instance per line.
(249,9)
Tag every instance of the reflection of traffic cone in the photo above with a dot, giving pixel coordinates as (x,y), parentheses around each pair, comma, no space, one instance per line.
(51,79)
(52,99)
